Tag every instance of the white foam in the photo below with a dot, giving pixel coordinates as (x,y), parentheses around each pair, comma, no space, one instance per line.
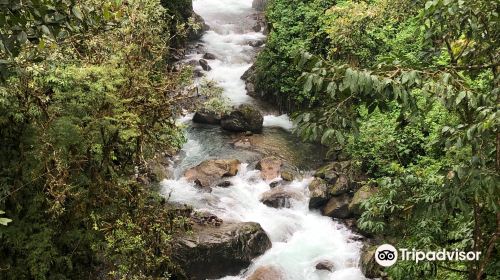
(282,121)
(301,238)
(229,43)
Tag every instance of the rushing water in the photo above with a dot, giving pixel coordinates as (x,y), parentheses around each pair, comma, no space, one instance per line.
(300,237)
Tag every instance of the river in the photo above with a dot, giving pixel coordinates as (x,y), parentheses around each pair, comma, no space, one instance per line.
(300,237)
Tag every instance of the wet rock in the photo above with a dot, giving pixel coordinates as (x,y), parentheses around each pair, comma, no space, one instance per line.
(279,197)
(215,252)
(318,193)
(337,207)
(196,34)
(256,43)
(197,73)
(325,265)
(207,116)
(206,218)
(250,87)
(368,265)
(341,186)
(267,273)
(257,27)
(209,56)
(287,176)
(270,168)
(210,172)
(274,184)
(361,195)
(204,65)
(244,118)
(224,184)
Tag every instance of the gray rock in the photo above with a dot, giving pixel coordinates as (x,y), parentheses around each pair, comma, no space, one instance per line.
(245,118)
(196,34)
(361,195)
(325,265)
(337,207)
(318,193)
(279,197)
(256,43)
(368,265)
(204,65)
(257,27)
(341,186)
(207,116)
(214,252)
(209,56)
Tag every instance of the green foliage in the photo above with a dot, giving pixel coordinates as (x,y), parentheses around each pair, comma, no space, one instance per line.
(409,90)
(216,101)
(76,122)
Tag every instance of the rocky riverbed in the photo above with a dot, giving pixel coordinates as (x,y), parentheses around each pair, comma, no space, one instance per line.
(261,210)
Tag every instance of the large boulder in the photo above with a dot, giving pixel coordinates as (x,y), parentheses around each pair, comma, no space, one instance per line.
(210,172)
(270,168)
(318,192)
(368,265)
(214,252)
(207,116)
(244,118)
(196,34)
(361,195)
(341,186)
(279,197)
(337,207)
(267,273)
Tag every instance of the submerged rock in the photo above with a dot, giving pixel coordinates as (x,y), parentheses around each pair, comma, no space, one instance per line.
(244,118)
(279,197)
(215,252)
(270,168)
(267,273)
(210,172)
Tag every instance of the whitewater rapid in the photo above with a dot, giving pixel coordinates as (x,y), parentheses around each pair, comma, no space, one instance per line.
(300,237)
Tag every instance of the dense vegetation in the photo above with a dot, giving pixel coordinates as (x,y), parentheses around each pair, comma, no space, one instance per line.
(410,91)
(87,97)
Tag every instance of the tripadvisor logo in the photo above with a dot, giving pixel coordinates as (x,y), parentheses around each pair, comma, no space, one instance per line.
(387,255)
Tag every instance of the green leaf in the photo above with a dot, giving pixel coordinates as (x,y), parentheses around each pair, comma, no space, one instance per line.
(77,12)
(460,97)
(4,221)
